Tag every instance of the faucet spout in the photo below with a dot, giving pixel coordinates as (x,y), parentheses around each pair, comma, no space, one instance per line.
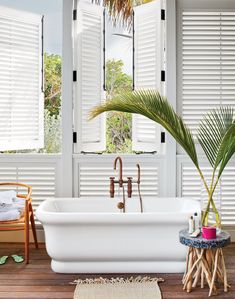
(120,180)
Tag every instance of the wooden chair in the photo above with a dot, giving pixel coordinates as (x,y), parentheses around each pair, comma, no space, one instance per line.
(24,222)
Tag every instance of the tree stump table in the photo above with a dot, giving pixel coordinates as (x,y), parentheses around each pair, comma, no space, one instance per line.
(205,261)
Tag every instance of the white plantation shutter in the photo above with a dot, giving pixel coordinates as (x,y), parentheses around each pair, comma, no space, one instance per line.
(148,63)
(89,85)
(228,196)
(94,180)
(192,186)
(206,62)
(21,96)
(205,80)
(92,175)
(42,173)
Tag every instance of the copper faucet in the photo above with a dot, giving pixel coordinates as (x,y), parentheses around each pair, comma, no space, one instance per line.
(120,169)
(121,182)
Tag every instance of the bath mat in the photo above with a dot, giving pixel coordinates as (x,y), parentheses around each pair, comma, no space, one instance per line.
(118,288)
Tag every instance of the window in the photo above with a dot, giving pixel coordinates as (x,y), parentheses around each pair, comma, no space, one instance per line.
(118,78)
(30,76)
(89,62)
(21,61)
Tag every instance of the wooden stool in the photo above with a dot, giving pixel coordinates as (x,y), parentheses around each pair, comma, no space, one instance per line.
(205,261)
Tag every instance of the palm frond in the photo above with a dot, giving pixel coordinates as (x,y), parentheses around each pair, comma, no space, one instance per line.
(211,132)
(121,10)
(152,105)
(226,150)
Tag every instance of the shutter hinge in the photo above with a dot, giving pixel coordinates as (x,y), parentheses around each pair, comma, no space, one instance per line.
(163,76)
(74,14)
(163,137)
(163,14)
(91,153)
(144,153)
(74,137)
(74,76)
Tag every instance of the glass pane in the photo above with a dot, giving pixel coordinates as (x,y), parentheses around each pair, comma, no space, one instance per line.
(119,77)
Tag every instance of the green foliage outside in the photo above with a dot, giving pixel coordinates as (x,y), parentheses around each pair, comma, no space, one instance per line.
(52,98)
(52,84)
(118,125)
(52,132)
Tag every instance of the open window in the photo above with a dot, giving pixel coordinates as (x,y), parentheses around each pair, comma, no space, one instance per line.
(89,63)
(21,83)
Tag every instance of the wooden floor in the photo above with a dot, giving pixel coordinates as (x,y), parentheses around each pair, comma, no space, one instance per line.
(37,280)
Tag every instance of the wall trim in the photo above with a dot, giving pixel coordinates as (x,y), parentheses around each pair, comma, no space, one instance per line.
(18,236)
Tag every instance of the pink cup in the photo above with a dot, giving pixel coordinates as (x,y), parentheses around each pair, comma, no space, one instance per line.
(209,232)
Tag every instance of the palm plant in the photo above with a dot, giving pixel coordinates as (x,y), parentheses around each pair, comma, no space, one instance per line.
(216,133)
(121,9)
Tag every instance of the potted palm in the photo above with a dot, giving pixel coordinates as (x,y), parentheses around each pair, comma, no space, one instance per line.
(216,134)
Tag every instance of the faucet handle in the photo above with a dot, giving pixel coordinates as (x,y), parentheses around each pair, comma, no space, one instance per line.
(129,186)
(111,186)
(138,174)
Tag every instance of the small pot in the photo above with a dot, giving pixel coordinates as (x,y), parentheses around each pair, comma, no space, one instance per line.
(209,232)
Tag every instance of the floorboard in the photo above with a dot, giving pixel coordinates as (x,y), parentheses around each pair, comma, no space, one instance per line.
(38,281)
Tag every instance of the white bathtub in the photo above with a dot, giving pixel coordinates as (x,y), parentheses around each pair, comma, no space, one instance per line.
(92,236)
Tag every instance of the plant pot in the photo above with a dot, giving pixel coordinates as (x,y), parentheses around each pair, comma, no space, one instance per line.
(209,232)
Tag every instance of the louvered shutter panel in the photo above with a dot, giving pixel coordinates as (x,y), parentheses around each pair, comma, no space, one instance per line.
(92,176)
(147,75)
(228,195)
(207,62)
(89,85)
(21,96)
(42,176)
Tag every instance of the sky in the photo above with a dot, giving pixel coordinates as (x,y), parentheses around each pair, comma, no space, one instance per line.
(116,47)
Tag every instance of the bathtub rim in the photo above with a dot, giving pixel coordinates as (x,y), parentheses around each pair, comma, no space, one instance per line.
(58,217)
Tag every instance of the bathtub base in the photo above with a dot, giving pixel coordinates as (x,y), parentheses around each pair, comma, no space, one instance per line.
(118,267)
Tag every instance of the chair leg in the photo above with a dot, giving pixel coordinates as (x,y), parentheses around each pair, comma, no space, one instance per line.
(27,242)
(33,228)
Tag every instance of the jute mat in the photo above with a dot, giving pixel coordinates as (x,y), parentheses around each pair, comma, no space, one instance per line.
(118,288)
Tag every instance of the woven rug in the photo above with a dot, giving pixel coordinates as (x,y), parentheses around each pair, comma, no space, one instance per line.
(118,288)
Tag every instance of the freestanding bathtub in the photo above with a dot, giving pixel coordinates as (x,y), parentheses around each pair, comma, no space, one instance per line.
(92,235)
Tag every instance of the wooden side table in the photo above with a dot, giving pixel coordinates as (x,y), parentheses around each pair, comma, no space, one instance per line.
(205,260)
